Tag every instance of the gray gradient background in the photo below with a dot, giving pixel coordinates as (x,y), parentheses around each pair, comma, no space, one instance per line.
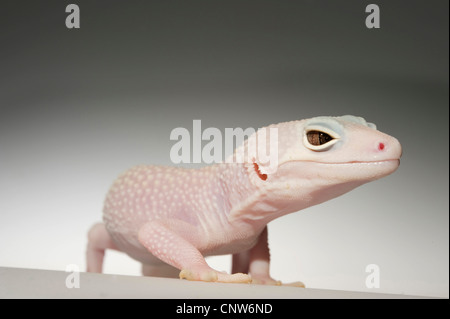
(80,106)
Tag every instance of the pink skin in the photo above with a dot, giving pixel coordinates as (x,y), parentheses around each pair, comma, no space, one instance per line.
(171,218)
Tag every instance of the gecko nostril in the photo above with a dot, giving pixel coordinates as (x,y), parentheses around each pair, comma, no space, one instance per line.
(381,146)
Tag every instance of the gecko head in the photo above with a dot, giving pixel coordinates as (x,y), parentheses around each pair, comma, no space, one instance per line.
(312,161)
(328,154)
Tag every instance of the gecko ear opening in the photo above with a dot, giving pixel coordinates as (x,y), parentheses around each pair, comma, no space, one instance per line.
(258,172)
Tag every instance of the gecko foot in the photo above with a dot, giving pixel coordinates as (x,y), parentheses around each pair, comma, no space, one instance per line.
(295,284)
(206,275)
(265,281)
(235,278)
(212,275)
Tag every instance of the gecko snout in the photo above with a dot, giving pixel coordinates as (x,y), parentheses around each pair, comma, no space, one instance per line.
(390,148)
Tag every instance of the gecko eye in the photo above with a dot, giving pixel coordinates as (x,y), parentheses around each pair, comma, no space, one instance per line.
(319,140)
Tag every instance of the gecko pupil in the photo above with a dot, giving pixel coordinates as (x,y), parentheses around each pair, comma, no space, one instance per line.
(317,138)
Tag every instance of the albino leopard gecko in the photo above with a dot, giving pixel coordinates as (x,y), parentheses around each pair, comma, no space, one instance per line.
(169,218)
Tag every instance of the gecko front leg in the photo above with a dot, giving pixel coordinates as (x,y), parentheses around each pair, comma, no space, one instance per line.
(256,262)
(173,249)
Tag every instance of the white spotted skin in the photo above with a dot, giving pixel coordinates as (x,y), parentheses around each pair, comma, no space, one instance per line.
(195,202)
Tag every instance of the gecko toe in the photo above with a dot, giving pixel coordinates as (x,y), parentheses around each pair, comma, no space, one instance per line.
(235,278)
(206,275)
(296,284)
(265,281)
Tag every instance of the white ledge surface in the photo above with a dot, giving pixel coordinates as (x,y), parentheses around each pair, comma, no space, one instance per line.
(34,283)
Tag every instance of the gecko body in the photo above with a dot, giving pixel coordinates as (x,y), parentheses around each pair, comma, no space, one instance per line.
(170,218)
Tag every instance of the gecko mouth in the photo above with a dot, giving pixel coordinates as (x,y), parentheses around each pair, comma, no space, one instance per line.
(388,161)
(357,163)
(338,171)
(365,170)
(383,165)
(353,163)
